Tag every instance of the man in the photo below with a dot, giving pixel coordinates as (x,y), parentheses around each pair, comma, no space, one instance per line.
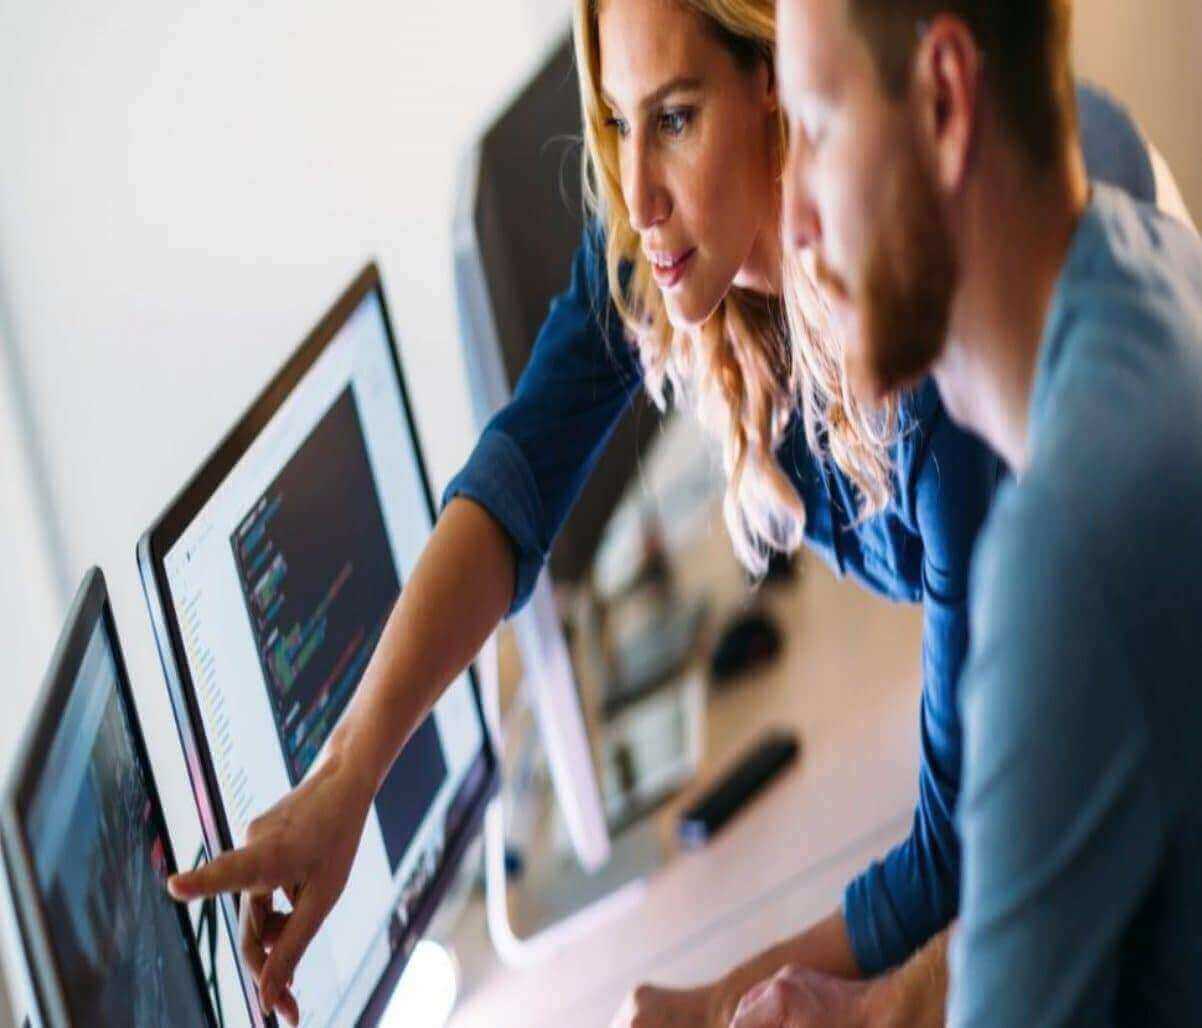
(936,179)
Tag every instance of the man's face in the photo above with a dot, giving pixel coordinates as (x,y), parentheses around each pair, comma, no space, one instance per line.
(859,200)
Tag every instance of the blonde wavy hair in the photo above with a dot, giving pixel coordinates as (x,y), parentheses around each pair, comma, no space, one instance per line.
(758,361)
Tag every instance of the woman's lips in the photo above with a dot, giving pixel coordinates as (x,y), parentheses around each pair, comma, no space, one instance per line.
(668,275)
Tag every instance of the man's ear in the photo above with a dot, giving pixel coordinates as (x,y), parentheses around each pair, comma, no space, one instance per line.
(945,89)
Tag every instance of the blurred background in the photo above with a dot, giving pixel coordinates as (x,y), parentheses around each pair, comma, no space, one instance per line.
(184,190)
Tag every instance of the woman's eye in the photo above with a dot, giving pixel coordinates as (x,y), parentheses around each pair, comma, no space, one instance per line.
(673,123)
(619,126)
(676,121)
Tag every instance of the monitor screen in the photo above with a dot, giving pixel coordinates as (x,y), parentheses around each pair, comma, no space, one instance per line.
(279,584)
(98,857)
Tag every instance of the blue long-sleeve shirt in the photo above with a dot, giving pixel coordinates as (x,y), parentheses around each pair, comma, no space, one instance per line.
(1082,811)
(535,455)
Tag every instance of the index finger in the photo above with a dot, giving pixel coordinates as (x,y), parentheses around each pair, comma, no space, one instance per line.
(236,871)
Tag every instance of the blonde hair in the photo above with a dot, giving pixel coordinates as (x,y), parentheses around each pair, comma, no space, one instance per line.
(757,359)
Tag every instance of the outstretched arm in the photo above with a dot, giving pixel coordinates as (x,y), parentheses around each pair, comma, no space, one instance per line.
(502,512)
(307,842)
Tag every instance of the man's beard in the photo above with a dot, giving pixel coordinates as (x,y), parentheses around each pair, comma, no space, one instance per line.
(904,299)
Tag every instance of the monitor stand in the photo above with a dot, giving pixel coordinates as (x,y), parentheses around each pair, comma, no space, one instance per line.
(550,685)
(603,887)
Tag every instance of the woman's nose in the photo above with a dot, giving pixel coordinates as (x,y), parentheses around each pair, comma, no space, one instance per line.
(647,199)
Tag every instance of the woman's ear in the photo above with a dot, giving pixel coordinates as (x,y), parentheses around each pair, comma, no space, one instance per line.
(767,83)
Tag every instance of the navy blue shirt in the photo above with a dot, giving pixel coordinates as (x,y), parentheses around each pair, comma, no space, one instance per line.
(535,455)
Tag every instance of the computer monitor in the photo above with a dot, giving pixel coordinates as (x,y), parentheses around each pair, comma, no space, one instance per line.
(509,266)
(87,851)
(269,581)
(519,219)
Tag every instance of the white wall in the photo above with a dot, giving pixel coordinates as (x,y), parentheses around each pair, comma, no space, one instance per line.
(30,600)
(31,596)
(184,188)
(1146,52)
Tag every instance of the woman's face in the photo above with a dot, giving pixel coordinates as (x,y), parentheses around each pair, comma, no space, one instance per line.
(695,137)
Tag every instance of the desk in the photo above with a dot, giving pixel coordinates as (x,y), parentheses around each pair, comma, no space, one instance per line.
(848,680)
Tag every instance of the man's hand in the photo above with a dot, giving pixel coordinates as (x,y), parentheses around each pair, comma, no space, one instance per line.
(796,997)
(652,1007)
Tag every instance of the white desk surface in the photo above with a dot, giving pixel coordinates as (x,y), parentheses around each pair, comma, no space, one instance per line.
(849,681)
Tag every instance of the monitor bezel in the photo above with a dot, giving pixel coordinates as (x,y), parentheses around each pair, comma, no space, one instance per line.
(90,610)
(481,781)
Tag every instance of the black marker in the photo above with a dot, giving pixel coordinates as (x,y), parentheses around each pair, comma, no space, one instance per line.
(758,767)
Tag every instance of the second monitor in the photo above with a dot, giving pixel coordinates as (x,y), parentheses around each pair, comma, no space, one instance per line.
(87,851)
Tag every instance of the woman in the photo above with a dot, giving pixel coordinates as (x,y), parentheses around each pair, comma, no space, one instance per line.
(679,285)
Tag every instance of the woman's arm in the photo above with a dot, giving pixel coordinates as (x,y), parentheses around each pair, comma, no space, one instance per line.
(456,596)
(913,996)
(306,843)
(947,483)
(823,948)
(500,516)
(811,979)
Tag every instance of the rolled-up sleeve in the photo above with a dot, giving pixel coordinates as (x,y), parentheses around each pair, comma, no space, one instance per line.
(537,452)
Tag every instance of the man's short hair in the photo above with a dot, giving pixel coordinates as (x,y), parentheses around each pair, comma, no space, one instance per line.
(1025,45)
